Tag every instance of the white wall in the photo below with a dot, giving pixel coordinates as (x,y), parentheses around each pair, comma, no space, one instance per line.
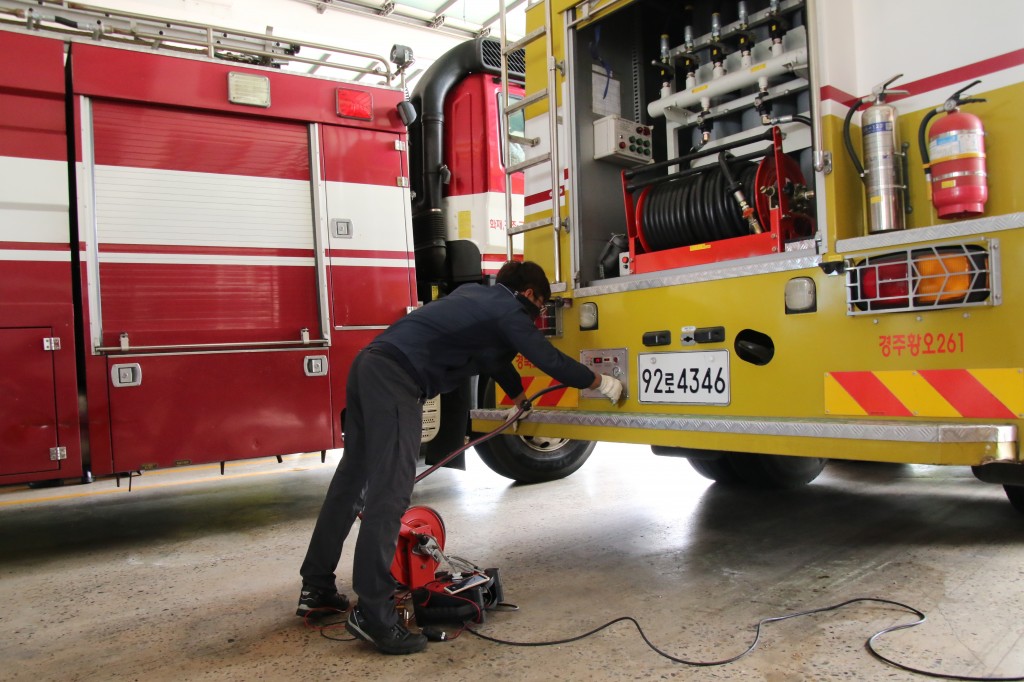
(865,42)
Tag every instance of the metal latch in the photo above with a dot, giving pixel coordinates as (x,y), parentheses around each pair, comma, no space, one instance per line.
(315,365)
(51,343)
(126,375)
(58,453)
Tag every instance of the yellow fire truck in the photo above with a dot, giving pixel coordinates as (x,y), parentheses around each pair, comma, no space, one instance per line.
(792,228)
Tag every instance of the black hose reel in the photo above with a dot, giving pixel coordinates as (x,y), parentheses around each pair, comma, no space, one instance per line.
(741,206)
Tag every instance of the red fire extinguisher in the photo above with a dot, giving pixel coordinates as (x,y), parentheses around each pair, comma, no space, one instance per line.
(953,152)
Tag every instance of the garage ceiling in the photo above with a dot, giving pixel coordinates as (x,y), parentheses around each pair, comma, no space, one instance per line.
(467,18)
(430,27)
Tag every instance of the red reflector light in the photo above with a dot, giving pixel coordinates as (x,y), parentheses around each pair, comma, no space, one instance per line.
(355,104)
(929,277)
(886,285)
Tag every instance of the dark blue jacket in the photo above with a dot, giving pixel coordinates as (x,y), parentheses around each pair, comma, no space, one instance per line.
(475,330)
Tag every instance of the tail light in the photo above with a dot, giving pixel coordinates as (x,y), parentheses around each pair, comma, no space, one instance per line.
(550,319)
(932,277)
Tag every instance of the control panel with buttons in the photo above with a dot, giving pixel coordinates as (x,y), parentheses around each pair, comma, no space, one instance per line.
(613,361)
(622,141)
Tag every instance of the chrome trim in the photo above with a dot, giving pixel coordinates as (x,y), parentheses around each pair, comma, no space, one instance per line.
(960,174)
(814,76)
(779,262)
(898,431)
(358,327)
(88,227)
(555,164)
(225,351)
(200,346)
(572,195)
(319,203)
(963,228)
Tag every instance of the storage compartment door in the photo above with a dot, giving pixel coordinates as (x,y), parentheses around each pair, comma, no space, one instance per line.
(174,410)
(370,244)
(204,224)
(28,418)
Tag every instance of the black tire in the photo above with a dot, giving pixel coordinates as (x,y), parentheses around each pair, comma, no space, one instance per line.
(776,471)
(740,468)
(718,468)
(531,459)
(1015,494)
(534,460)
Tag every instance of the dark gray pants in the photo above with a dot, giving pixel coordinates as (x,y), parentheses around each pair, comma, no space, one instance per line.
(383,423)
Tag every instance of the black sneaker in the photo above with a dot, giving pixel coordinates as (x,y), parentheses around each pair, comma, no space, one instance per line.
(393,640)
(317,602)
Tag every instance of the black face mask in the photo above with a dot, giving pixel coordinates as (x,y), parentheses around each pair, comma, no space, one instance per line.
(531,309)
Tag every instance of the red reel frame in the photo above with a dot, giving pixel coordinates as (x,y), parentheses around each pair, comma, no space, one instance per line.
(776,215)
(412,566)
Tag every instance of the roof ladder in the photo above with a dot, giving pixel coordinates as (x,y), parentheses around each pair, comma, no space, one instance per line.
(76,20)
(551,156)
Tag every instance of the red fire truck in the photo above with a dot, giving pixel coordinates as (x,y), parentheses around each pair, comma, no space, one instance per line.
(195,242)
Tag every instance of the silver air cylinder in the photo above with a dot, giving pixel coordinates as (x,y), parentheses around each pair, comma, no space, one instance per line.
(883,170)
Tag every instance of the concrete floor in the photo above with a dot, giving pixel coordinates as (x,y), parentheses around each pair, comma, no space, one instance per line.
(194,577)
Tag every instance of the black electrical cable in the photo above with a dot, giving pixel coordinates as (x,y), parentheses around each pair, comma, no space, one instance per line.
(512,419)
(869,644)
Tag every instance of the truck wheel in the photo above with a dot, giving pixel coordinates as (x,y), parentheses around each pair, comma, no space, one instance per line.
(711,464)
(776,471)
(717,468)
(534,459)
(760,471)
(1015,494)
(531,459)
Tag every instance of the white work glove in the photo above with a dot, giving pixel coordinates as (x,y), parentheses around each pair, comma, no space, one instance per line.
(511,417)
(610,388)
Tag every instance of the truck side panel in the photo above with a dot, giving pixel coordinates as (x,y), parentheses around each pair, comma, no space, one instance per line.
(210,300)
(944,371)
(38,390)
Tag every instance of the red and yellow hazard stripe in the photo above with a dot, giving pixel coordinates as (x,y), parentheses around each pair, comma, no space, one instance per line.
(976,393)
(563,397)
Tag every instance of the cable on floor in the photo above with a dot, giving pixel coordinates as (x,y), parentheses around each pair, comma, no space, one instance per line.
(869,644)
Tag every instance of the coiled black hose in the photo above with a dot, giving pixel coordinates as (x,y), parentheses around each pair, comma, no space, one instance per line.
(696,209)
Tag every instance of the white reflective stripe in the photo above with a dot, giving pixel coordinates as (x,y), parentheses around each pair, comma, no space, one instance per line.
(348,261)
(202,259)
(33,200)
(24,255)
(487,210)
(150,206)
(537,180)
(379,216)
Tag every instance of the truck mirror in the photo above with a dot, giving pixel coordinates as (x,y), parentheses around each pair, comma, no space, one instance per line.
(406,112)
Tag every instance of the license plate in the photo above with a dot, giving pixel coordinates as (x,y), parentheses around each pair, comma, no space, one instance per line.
(689,378)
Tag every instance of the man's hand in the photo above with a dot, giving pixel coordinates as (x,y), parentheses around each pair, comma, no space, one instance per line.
(520,402)
(510,416)
(610,388)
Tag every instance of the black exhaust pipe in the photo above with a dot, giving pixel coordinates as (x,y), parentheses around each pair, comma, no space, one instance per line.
(426,143)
